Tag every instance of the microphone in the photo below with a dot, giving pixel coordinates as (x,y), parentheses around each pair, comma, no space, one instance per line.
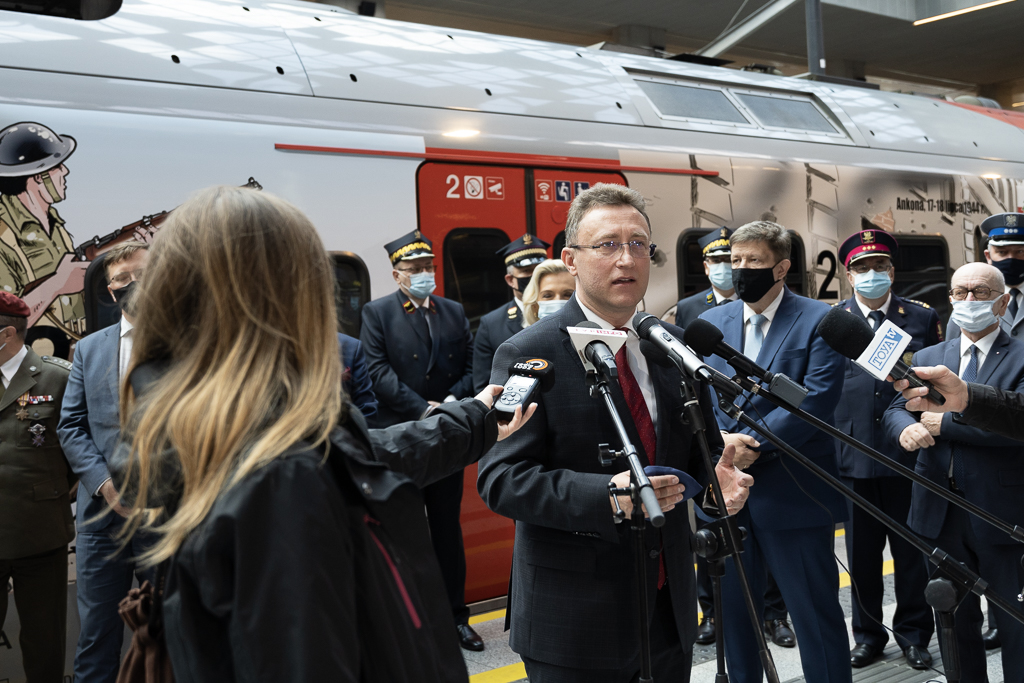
(648,327)
(526,377)
(877,352)
(597,347)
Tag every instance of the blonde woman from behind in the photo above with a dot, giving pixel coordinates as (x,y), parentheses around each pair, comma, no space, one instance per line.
(550,287)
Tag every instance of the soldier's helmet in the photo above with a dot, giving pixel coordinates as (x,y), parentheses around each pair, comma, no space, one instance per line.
(29,148)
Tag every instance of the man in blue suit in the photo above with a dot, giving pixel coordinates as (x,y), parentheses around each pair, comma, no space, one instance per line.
(89,429)
(867,256)
(984,468)
(355,377)
(419,353)
(791,514)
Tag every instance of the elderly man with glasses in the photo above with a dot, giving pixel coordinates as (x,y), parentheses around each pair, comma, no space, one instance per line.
(982,467)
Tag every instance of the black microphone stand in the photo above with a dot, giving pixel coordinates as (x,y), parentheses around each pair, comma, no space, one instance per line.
(641,493)
(722,538)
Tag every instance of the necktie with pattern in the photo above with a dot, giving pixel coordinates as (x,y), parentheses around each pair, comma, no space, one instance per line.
(957,466)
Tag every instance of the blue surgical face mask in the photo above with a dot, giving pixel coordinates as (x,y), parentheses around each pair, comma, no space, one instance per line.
(720,275)
(421,285)
(872,284)
(973,316)
(546,308)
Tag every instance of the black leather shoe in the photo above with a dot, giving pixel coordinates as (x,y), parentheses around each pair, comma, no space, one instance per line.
(864,654)
(780,632)
(706,631)
(991,639)
(917,657)
(470,639)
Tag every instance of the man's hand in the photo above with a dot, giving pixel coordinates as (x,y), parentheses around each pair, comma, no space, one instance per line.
(113,500)
(743,443)
(505,429)
(932,422)
(735,484)
(945,382)
(916,436)
(666,487)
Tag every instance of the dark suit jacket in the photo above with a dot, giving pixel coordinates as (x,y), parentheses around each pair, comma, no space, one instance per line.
(690,308)
(994,465)
(356,377)
(791,347)
(495,329)
(397,345)
(571,596)
(865,399)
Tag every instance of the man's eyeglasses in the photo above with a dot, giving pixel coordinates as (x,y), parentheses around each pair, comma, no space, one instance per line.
(638,249)
(417,271)
(124,277)
(980,293)
(861,268)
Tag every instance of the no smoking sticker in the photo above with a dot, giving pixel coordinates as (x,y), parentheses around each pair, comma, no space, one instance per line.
(474,185)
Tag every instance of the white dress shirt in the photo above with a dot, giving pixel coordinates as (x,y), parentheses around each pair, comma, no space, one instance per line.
(125,352)
(719,298)
(10,368)
(636,360)
(768,313)
(884,308)
(984,347)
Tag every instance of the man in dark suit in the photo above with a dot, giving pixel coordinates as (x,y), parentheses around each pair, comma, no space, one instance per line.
(572,593)
(867,256)
(419,353)
(714,247)
(521,259)
(35,510)
(355,376)
(984,468)
(791,514)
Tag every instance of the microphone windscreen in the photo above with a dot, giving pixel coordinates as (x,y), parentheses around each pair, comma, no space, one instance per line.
(847,333)
(703,337)
(655,354)
(534,367)
(643,322)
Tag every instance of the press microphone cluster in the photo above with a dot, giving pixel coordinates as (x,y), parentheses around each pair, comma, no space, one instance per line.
(597,347)
(876,352)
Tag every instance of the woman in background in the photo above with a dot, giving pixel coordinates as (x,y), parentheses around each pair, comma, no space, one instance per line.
(550,287)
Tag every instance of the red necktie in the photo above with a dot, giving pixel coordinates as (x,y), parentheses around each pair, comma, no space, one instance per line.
(644,425)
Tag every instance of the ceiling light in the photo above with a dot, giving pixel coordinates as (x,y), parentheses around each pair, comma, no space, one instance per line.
(461,133)
(991,176)
(958,12)
(1018,104)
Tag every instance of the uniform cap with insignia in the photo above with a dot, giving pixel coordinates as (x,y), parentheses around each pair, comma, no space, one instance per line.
(716,242)
(13,306)
(409,246)
(872,242)
(528,250)
(1004,228)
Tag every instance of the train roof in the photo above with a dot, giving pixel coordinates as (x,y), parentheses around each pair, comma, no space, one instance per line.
(314,50)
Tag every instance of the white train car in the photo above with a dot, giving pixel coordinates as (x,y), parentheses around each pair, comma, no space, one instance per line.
(375,127)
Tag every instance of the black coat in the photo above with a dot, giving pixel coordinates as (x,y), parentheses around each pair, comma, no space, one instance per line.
(495,329)
(322,570)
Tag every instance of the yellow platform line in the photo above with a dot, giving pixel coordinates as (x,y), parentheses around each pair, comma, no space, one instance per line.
(487,616)
(505,674)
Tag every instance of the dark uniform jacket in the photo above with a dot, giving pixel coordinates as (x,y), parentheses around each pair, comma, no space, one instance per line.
(572,595)
(397,345)
(311,570)
(35,479)
(495,329)
(355,376)
(690,308)
(865,399)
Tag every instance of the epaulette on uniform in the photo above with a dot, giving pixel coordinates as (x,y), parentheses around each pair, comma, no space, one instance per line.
(57,361)
(838,303)
(919,303)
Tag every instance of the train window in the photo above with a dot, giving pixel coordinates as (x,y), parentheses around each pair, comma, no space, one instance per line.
(351,291)
(70,9)
(922,271)
(690,275)
(692,102)
(786,112)
(474,274)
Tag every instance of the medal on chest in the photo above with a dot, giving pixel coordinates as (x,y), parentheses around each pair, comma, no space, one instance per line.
(37,431)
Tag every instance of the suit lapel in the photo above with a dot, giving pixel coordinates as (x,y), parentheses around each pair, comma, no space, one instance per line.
(415,318)
(24,379)
(732,326)
(111,353)
(785,317)
(995,356)
(513,324)
(951,355)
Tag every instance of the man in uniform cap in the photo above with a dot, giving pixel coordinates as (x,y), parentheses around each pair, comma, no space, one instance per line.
(419,352)
(867,256)
(521,258)
(35,508)
(715,250)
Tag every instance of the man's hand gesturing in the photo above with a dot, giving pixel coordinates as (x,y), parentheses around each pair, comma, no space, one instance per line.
(735,484)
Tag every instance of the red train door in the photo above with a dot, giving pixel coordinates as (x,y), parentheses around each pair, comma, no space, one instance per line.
(553,192)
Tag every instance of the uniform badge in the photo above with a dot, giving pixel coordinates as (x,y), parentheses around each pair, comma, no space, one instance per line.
(867,237)
(1011,220)
(725,233)
(711,299)
(513,312)
(902,312)
(527,240)
(36,431)
(417,234)
(908,356)
(409,308)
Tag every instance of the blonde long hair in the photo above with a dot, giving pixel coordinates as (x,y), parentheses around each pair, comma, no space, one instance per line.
(239,296)
(532,292)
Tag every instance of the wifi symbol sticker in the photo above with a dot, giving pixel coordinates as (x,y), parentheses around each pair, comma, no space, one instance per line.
(544,191)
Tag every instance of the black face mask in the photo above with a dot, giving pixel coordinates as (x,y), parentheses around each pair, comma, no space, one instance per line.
(522,283)
(1012,270)
(753,283)
(125,298)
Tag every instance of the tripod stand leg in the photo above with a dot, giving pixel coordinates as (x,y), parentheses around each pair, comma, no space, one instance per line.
(716,569)
(948,647)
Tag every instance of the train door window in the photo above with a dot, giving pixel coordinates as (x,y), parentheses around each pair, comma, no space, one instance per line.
(796,280)
(690,275)
(922,271)
(474,273)
(351,291)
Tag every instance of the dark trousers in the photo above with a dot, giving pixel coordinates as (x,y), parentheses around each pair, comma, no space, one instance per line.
(670,660)
(805,568)
(104,573)
(774,605)
(41,596)
(865,542)
(444,505)
(1000,566)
